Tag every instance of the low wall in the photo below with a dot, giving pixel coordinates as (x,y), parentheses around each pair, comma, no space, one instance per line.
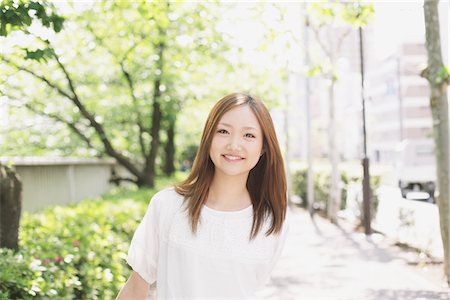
(60,181)
(415,223)
(411,222)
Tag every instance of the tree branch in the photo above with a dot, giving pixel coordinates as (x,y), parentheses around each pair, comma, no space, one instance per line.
(130,85)
(341,39)
(138,114)
(320,42)
(84,112)
(71,125)
(40,77)
(122,159)
(117,180)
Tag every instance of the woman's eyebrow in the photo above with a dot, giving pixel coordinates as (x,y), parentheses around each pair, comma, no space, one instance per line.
(231,126)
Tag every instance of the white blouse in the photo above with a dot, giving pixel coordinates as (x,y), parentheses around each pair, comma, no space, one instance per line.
(219,262)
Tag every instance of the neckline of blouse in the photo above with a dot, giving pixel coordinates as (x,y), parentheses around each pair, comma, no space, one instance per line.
(242,213)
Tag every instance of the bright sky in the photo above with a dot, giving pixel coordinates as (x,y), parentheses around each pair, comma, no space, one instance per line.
(395,22)
(403,21)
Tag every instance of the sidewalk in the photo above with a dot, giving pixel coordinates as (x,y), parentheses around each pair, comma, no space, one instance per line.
(323,261)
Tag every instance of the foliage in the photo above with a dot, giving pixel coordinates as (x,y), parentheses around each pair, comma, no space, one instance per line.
(443,75)
(19,15)
(109,51)
(14,275)
(189,153)
(75,252)
(340,13)
(322,187)
(331,23)
(112,76)
(104,44)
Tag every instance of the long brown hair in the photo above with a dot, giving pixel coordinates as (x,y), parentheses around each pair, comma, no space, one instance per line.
(266,182)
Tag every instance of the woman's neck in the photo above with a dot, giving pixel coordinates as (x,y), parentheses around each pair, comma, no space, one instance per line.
(228,193)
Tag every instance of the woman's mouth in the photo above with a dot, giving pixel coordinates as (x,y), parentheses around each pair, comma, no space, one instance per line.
(232,157)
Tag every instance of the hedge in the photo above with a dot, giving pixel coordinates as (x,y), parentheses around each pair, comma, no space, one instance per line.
(74,252)
(322,183)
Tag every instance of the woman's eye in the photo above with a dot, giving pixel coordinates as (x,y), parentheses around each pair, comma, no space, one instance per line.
(222,131)
(249,135)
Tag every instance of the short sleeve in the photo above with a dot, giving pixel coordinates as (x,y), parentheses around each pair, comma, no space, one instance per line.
(144,247)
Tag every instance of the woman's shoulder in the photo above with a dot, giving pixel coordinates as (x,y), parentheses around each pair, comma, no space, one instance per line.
(167,198)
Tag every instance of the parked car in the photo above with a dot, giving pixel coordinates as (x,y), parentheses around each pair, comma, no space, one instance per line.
(416,169)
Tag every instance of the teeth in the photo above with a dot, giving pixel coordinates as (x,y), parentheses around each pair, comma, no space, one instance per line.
(231,157)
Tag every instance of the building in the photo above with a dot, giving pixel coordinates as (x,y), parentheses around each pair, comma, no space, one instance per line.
(399,102)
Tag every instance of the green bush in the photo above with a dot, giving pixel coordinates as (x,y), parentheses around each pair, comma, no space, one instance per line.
(74,252)
(14,275)
(322,184)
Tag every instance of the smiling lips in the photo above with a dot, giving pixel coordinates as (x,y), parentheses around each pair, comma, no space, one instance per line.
(232,158)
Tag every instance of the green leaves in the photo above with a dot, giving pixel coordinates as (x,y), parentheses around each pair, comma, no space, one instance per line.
(57,22)
(443,75)
(314,71)
(348,13)
(75,252)
(19,14)
(14,274)
(39,54)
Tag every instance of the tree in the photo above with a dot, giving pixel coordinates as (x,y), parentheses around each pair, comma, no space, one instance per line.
(438,77)
(331,24)
(10,208)
(19,14)
(113,76)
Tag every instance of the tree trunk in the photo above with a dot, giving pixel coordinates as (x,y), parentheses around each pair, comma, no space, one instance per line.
(169,166)
(148,176)
(335,197)
(438,82)
(10,208)
(310,171)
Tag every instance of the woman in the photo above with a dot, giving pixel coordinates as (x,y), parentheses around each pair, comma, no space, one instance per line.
(220,232)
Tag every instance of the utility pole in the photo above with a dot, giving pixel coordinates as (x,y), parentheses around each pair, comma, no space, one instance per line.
(365,160)
(310,177)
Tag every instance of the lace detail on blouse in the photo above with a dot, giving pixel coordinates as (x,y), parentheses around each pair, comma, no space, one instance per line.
(222,235)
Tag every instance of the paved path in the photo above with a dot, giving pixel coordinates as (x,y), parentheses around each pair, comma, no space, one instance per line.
(324,262)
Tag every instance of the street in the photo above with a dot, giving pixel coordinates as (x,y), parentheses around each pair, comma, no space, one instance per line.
(326,262)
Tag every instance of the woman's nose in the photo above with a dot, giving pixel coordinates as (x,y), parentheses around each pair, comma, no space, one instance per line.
(234,145)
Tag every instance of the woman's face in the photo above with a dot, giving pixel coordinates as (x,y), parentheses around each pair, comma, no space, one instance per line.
(237,143)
